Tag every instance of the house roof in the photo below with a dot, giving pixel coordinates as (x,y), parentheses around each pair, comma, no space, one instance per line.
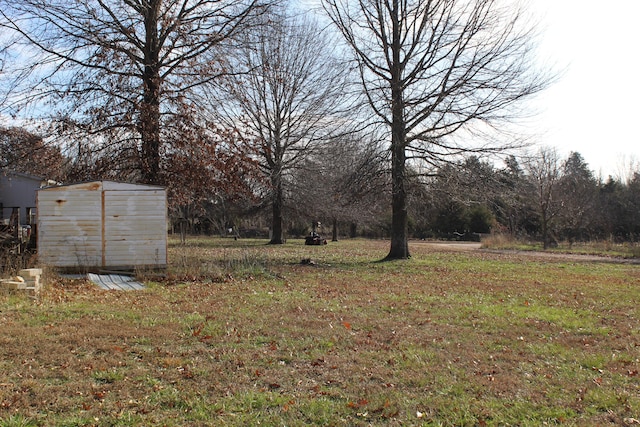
(7,172)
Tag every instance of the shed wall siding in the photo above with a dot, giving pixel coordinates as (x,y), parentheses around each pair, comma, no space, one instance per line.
(69,227)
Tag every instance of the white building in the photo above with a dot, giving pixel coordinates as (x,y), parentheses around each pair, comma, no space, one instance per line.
(102,225)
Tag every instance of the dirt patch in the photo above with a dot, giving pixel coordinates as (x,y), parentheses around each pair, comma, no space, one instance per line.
(566,256)
(450,246)
(473,246)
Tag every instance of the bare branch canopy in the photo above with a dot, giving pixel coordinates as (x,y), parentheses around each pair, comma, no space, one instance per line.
(119,68)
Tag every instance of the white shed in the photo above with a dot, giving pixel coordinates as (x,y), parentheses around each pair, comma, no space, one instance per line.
(102,224)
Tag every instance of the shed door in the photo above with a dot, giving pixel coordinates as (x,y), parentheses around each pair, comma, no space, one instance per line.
(135,228)
(69,227)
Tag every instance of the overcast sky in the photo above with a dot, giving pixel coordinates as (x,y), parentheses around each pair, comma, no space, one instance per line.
(594,108)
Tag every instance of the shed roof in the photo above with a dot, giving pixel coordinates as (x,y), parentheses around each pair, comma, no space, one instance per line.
(103,185)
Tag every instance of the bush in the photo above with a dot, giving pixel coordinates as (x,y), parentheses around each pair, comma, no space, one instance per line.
(481,219)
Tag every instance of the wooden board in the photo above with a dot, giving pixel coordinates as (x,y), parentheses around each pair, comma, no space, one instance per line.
(115,282)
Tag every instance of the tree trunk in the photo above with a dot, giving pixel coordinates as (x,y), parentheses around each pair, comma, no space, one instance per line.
(150,135)
(399,218)
(150,108)
(277,235)
(545,232)
(353,230)
(334,230)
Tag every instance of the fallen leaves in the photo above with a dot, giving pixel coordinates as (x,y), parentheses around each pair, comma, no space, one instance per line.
(358,405)
(397,345)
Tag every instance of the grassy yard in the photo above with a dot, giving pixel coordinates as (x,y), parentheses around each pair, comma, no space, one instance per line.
(240,333)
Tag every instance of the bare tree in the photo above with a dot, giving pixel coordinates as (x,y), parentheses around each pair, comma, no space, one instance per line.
(117,69)
(434,68)
(4,47)
(544,171)
(342,182)
(288,102)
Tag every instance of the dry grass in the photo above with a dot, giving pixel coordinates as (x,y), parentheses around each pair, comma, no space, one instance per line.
(240,333)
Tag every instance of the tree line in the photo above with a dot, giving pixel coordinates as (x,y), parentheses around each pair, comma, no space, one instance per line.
(252,106)
(539,196)
(345,187)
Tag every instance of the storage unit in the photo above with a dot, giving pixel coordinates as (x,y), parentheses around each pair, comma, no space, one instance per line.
(102,224)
